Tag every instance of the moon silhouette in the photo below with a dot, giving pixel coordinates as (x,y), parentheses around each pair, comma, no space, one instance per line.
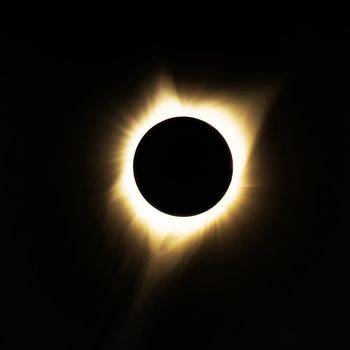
(183,166)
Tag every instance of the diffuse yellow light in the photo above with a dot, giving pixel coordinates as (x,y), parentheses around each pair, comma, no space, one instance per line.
(235,122)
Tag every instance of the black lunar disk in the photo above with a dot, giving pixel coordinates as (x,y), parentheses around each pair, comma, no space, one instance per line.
(183,166)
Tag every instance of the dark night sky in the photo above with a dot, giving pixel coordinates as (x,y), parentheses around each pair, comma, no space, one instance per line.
(279,282)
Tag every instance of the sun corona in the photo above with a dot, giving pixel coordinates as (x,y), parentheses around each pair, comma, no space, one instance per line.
(233,119)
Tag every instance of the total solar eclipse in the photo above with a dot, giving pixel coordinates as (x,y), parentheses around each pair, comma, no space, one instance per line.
(182,166)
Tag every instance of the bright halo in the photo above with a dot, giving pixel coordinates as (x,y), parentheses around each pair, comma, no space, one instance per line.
(234,121)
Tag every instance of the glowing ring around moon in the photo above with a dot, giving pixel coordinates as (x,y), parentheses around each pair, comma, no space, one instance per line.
(166,105)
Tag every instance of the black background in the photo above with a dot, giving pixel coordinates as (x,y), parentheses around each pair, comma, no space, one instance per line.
(279,281)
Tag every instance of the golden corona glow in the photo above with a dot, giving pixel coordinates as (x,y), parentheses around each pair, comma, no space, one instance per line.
(237,122)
